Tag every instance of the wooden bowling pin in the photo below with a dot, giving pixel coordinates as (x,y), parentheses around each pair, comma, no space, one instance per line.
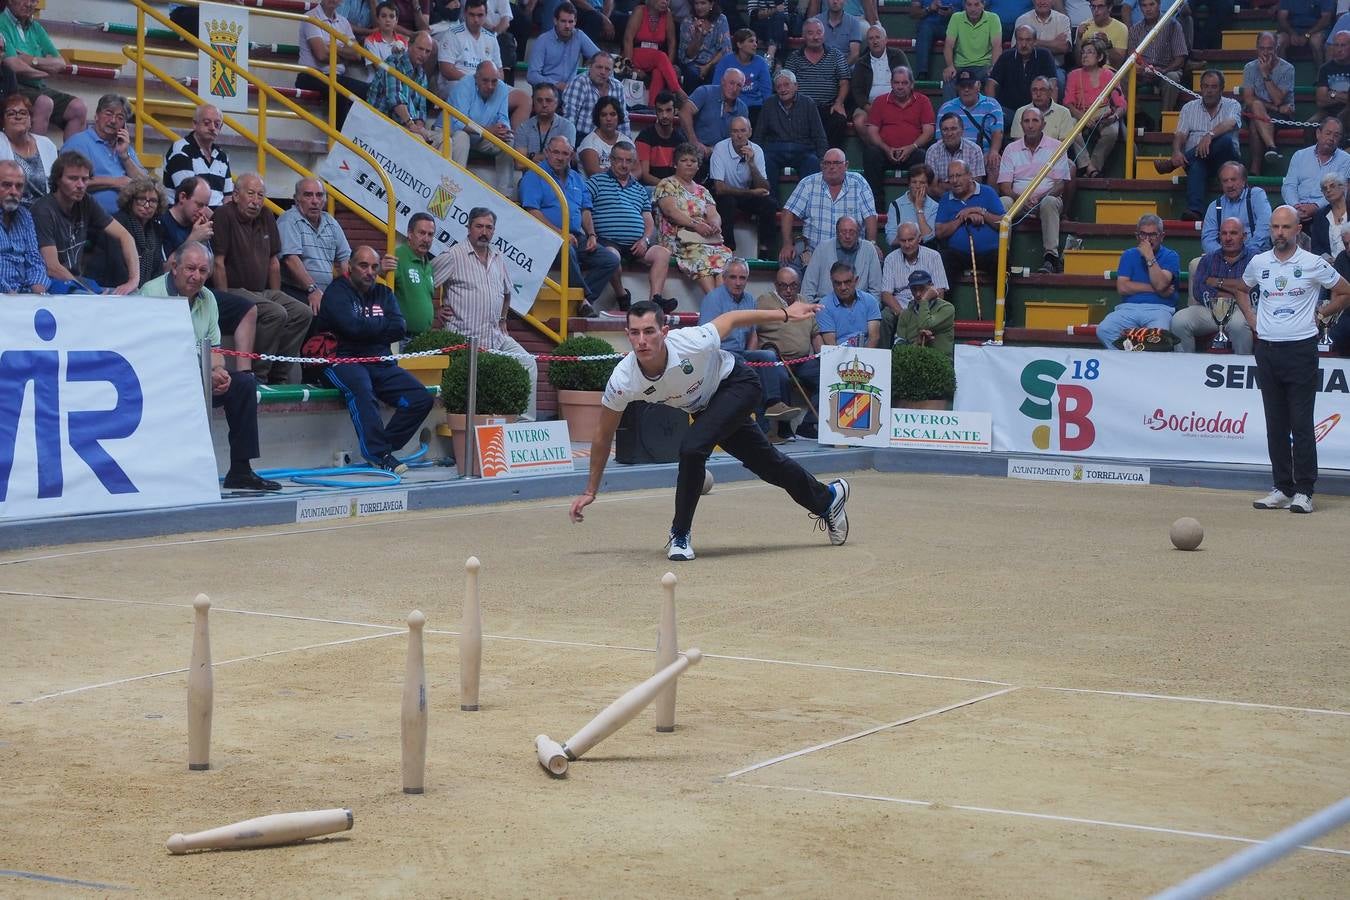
(551,755)
(470,639)
(414,731)
(264,831)
(200,688)
(626,708)
(666,649)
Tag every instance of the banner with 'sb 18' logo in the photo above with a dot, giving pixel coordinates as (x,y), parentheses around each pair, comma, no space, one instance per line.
(1180,406)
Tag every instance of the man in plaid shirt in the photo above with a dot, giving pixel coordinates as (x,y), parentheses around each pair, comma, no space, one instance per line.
(394,98)
(22,270)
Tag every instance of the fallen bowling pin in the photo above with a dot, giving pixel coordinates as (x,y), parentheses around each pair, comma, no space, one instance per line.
(470,639)
(201,688)
(264,831)
(551,755)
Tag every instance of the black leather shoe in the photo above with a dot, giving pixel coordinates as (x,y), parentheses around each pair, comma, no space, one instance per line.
(250,481)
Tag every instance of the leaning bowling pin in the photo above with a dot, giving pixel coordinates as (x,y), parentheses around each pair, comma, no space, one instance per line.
(200,688)
(264,831)
(470,639)
(666,644)
(626,708)
(414,721)
(551,755)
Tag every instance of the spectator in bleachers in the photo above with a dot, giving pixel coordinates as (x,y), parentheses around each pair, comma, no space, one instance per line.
(398,101)
(899,125)
(657,142)
(385,38)
(1206,138)
(1094,146)
(483,99)
(691,227)
(579,99)
(1146,278)
(622,210)
(792,341)
(1115,31)
(1008,11)
(140,206)
(1053,33)
(774,22)
(533,136)
(740,185)
(478,295)
(1217,274)
(31,56)
(973,44)
(69,223)
(981,118)
(557,52)
(107,144)
(1167,53)
(1304,23)
(649,41)
(915,206)
(466,44)
(966,223)
(314,55)
(927,320)
(1250,206)
(1302,188)
(1342,21)
(843,32)
(1326,223)
(247,249)
(313,246)
(22,270)
(1340,329)
(594,150)
(189,216)
(590,264)
(819,201)
(34,152)
(952,146)
(196,154)
(933,16)
(847,247)
(823,77)
(1059,121)
(1267,92)
(706,115)
(365,317)
(591,17)
(412,15)
(498,21)
(414,277)
(1132,12)
(1009,80)
(743,343)
(1333,80)
(758,84)
(705,37)
(872,74)
(896,294)
(364,16)
(237,392)
(790,132)
(847,315)
(1022,161)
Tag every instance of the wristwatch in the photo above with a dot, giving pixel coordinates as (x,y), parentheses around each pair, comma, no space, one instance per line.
(313,288)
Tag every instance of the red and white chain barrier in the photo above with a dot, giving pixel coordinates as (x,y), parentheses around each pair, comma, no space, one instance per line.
(395,357)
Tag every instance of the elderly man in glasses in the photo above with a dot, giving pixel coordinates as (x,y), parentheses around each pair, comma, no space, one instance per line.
(1146,278)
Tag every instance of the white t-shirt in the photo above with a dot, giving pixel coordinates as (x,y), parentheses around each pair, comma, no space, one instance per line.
(695,367)
(1289,293)
(594,141)
(462,49)
(728,166)
(496,11)
(881,76)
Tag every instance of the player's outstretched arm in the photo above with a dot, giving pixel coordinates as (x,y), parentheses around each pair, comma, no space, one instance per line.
(728,322)
(600,444)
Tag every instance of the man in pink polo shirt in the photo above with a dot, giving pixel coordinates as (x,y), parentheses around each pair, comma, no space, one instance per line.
(1022,159)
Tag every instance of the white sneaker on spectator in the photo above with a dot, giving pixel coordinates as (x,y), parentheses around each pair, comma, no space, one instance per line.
(1301,503)
(1276,499)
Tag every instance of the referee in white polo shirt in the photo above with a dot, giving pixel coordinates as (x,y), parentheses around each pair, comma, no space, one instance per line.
(1288,281)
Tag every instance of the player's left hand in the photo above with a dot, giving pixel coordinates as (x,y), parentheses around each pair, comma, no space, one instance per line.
(800,311)
(581,502)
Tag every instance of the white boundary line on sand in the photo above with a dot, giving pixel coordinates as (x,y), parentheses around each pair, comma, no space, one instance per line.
(1137,695)
(1048,817)
(862,734)
(223,662)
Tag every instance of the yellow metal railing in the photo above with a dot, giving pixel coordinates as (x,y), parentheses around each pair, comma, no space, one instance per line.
(291,108)
(1127,69)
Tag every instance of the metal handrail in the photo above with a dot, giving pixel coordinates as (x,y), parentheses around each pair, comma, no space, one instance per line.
(1005,224)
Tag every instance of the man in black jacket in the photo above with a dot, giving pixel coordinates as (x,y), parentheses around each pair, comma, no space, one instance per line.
(365,317)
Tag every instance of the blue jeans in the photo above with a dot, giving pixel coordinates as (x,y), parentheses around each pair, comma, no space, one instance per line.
(930,26)
(1223,149)
(1132,315)
(778,154)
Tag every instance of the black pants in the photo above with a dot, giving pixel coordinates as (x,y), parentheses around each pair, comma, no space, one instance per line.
(1287,374)
(726,421)
(306,81)
(241,415)
(836,126)
(364,385)
(764,210)
(875,166)
(957,260)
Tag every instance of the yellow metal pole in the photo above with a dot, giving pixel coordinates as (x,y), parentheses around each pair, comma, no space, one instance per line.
(1130,98)
(140,80)
(262,135)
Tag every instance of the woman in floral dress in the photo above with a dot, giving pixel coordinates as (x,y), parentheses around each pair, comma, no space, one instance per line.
(690,225)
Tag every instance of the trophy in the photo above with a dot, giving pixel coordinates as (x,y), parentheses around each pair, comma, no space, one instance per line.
(1324,326)
(1221,309)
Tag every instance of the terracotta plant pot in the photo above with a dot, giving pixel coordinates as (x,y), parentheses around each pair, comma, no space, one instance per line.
(581,410)
(457,421)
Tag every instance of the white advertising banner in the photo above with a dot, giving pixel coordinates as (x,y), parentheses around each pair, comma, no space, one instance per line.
(223,28)
(426,182)
(855,396)
(524,448)
(937,429)
(1182,406)
(101,407)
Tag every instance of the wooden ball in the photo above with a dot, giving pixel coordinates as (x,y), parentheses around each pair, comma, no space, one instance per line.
(707,481)
(1186,533)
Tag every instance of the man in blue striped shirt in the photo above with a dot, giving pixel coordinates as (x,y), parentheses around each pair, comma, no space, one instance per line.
(622,212)
(22,270)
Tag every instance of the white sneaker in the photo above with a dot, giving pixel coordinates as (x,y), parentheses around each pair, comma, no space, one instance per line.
(835,520)
(679,547)
(1301,503)
(1276,499)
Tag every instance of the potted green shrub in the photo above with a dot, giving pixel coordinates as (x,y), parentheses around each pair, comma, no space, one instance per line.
(430,369)
(921,377)
(580,383)
(503,393)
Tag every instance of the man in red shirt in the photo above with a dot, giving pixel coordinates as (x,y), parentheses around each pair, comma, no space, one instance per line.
(899,126)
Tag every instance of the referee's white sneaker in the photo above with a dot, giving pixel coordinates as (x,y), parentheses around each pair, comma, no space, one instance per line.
(1301,503)
(679,547)
(1276,499)
(835,519)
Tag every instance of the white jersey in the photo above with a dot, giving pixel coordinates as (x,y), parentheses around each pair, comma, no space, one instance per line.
(695,367)
(1288,293)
